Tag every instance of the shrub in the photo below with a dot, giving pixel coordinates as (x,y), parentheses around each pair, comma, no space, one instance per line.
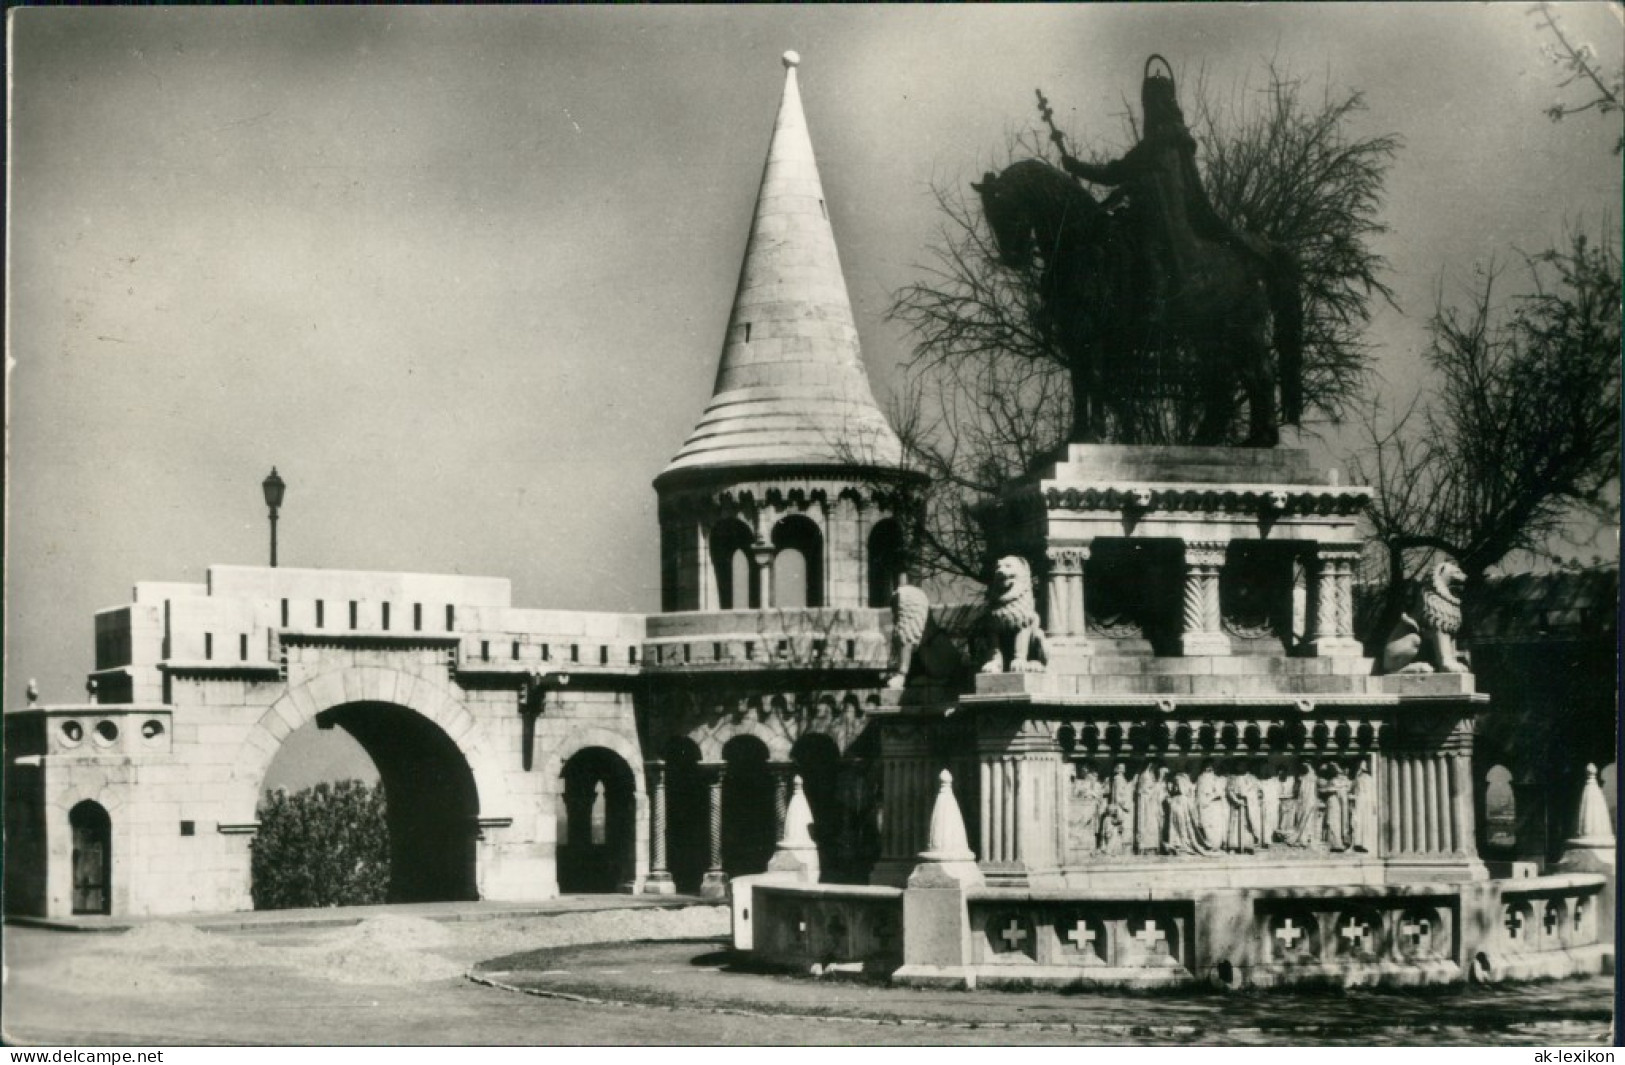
(323,846)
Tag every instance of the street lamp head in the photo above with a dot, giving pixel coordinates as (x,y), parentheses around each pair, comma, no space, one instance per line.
(273,487)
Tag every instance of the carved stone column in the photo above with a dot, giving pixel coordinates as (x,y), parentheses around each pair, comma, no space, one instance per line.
(1430,796)
(1330,612)
(1019,802)
(715,883)
(905,801)
(659,881)
(761,556)
(1200,632)
(1066,625)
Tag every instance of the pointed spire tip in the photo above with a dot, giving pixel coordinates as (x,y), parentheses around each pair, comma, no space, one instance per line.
(792,60)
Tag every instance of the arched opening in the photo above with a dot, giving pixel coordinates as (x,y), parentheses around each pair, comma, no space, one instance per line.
(687,848)
(1500,810)
(92,858)
(430,800)
(748,827)
(597,852)
(731,567)
(885,560)
(818,763)
(798,563)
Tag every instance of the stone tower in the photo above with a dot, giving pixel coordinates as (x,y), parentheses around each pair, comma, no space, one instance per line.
(785,493)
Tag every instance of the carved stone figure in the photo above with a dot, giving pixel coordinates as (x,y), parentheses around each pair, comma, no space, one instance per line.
(1017,633)
(1212,812)
(1181,834)
(910,612)
(1334,793)
(1269,804)
(1118,816)
(1424,639)
(1287,817)
(1149,794)
(1164,272)
(1306,822)
(1363,810)
(1245,817)
(1083,816)
(921,651)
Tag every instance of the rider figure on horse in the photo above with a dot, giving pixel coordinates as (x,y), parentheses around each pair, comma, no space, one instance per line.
(1166,200)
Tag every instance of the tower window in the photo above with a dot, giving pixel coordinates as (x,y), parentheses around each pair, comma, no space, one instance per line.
(747,332)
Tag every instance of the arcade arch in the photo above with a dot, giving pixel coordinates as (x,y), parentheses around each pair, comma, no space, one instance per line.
(597,829)
(687,825)
(748,830)
(430,798)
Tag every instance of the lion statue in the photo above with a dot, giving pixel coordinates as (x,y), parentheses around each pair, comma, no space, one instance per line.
(910,613)
(1013,622)
(926,641)
(1424,640)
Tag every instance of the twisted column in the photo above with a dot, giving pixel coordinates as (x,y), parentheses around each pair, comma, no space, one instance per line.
(714,817)
(1331,600)
(657,818)
(1200,631)
(782,773)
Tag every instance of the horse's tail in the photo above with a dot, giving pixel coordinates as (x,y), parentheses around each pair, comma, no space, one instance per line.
(1286,305)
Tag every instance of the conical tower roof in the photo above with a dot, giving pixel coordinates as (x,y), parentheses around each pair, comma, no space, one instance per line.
(791,388)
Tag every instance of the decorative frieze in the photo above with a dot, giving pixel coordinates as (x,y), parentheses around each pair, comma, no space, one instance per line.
(1185,499)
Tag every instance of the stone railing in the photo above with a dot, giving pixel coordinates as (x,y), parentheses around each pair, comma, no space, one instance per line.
(826,928)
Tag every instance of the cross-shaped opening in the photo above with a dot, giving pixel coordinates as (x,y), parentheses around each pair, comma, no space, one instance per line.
(1014,934)
(1288,933)
(1551,920)
(1081,935)
(1579,913)
(1514,923)
(1414,931)
(1356,933)
(1153,938)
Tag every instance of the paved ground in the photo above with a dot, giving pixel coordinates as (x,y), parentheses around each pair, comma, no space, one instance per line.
(396,975)
(662,975)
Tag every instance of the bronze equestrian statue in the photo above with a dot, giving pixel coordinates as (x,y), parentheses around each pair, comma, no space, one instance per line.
(1161,273)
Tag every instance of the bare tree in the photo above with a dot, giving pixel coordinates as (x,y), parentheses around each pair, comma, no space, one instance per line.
(987,395)
(1517,438)
(1603,94)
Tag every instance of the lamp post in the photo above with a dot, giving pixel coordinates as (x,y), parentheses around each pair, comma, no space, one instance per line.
(273,487)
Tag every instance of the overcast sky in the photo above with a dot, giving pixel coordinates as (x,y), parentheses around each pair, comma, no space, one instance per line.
(462,275)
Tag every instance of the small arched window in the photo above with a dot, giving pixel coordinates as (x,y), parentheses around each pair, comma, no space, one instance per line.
(731,566)
(798,563)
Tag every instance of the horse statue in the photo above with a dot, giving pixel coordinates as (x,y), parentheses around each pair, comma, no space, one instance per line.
(1164,274)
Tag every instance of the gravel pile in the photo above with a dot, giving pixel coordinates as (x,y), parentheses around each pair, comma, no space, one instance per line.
(380,950)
